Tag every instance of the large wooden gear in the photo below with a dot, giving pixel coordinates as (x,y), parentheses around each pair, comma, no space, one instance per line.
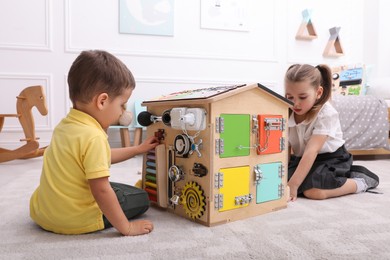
(193,200)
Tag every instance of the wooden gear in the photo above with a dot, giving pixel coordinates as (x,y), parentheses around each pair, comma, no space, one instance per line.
(27,99)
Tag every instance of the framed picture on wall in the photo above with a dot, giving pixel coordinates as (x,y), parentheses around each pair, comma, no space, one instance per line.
(152,17)
(224,15)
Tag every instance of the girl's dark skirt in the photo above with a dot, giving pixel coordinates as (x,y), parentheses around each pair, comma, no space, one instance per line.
(329,170)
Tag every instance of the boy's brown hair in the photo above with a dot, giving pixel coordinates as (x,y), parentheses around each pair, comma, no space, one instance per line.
(96,71)
(320,75)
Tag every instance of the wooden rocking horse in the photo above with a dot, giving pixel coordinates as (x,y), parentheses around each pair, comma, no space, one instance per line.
(27,99)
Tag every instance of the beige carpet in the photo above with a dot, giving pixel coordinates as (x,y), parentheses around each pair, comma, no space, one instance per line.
(350,227)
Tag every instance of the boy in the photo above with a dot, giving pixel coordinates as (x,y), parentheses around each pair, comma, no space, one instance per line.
(75,195)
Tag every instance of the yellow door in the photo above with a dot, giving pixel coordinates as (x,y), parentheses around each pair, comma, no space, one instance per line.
(234,188)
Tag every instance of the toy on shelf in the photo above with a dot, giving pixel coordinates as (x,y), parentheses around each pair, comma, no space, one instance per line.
(222,154)
(27,99)
(349,80)
(124,123)
(333,47)
(306,30)
(123,126)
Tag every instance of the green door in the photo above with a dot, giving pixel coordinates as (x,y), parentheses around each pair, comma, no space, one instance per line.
(235,135)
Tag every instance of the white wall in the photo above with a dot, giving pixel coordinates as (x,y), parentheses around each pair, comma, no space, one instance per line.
(383,40)
(39,40)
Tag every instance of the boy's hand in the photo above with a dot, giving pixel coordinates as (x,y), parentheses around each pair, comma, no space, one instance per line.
(139,227)
(148,144)
(124,153)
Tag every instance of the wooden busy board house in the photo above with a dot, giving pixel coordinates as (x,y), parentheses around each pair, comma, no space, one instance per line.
(222,154)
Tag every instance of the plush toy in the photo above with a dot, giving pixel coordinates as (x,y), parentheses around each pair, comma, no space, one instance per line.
(126,118)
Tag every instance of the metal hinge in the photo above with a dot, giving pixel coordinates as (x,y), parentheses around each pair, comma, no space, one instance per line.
(218,201)
(283,124)
(218,180)
(282,144)
(219,124)
(219,146)
(281,190)
(281,171)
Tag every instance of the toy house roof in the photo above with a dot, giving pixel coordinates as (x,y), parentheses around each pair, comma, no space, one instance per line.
(208,95)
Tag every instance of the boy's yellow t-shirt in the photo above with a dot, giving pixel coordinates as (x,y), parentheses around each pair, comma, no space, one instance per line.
(79,151)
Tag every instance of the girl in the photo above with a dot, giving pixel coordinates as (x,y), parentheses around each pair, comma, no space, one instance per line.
(320,166)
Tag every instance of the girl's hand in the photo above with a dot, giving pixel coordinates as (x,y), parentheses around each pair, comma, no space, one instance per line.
(293,192)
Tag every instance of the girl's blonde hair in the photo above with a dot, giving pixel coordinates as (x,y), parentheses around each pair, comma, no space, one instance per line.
(320,75)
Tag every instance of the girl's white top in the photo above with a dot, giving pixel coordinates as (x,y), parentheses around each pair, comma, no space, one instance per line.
(325,123)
